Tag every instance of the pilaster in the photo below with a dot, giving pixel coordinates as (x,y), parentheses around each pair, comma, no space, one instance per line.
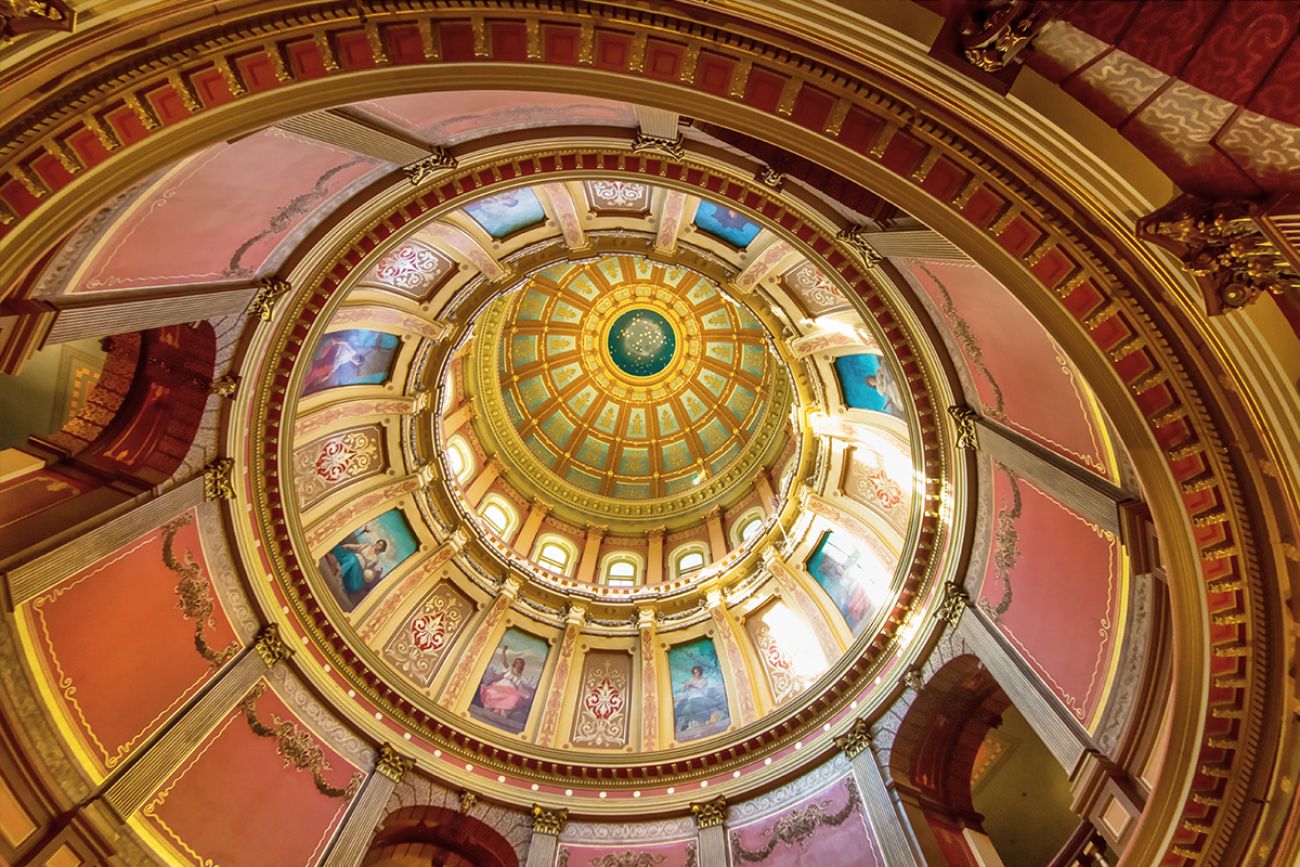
(547,825)
(710,821)
(885,819)
(354,835)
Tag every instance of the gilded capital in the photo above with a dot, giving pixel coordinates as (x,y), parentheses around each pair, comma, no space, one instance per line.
(645,618)
(854,237)
(392,764)
(270,646)
(549,821)
(954,602)
(856,739)
(218,480)
(269,291)
(709,814)
(659,144)
(964,417)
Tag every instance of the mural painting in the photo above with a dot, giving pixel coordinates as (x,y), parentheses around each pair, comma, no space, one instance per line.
(602,718)
(419,646)
(843,566)
(867,383)
(792,656)
(725,224)
(507,213)
(699,693)
(357,356)
(355,565)
(505,694)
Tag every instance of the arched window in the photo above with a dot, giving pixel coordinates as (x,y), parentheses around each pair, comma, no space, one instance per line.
(688,559)
(555,553)
(622,569)
(460,458)
(746,526)
(500,515)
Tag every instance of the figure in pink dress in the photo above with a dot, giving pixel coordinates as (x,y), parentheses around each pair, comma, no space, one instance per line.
(509,690)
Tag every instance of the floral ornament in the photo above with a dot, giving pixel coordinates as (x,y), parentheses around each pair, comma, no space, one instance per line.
(604,700)
(347,455)
(429,632)
(410,268)
(619,194)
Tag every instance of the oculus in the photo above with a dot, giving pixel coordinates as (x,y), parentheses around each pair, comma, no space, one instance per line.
(641,342)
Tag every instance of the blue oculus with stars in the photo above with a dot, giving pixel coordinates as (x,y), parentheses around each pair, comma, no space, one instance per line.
(642,342)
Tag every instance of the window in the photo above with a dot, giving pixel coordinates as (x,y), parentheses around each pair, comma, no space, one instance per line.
(746,526)
(497,517)
(500,515)
(555,553)
(460,459)
(622,569)
(688,558)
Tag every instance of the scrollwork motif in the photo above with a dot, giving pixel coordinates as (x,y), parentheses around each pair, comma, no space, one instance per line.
(194,593)
(799,825)
(296,747)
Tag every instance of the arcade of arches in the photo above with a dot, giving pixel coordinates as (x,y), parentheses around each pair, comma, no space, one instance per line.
(523,433)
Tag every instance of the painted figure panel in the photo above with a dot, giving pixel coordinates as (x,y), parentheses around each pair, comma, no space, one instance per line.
(506,213)
(699,693)
(505,694)
(851,574)
(364,557)
(725,224)
(867,383)
(357,356)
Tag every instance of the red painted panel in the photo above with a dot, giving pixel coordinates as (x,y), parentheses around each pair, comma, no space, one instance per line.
(180,233)
(1052,586)
(847,842)
(117,646)
(236,801)
(1021,378)
(27,495)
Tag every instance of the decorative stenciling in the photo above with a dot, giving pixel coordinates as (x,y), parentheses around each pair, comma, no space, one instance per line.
(602,718)
(798,827)
(413,270)
(621,196)
(421,643)
(791,654)
(331,462)
(815,291)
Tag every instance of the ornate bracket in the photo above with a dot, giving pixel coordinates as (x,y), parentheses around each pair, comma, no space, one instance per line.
(225,386)
(30,16)
(467,801)
(392,764)
(269,291)
(709,814)
(954,604)
(995,31)
(1236,251)
(912,679)
(549,821)
(856,739)
(218,480)
(964,416)
(438,161)
(659,144)
(770,178)
(270,646)
(855,239)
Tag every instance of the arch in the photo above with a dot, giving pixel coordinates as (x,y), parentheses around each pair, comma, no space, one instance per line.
(687,559)
(745,527)
(556,553)
(460,459)
(500,515)
(423,835)
(622,569)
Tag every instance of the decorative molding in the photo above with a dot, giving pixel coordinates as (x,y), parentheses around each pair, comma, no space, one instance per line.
(468,800)
(270,646)
(30,16)
(913,679)
(392,764)
(964,417)
(770,178)
(856,739)
(269,291)
(993,33)
(297,747)
(1226,247)
(218,480)
(672,147)
(549,821)
(709,814)
(225,386)
(195,593)
(438,161)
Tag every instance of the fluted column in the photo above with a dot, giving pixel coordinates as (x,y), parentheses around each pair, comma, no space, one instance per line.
(144,775)
(484,633)
(532,524)
(710,821)
(884,817)
(649,680)
(590,553)
(547,731)
(717,539)
(353,838)
(547,825)
(479,487)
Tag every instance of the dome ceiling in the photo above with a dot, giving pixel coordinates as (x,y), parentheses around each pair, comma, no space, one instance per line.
(622,380)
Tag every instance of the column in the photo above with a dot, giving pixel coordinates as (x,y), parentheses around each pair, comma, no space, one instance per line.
(353,838)
(590,553)
(479,487)
(882,814)
(341,128)
(649,680)
(483,633)
(533,523)
(717,539)
(143,776)
(654,556)
(710,820)
(548,729)
(456,419)
(547,825)
(766,495)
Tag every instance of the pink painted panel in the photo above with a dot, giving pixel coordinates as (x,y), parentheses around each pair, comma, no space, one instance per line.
(1051,585)
(221,214)
(447,118)
(680,853)
(826,829)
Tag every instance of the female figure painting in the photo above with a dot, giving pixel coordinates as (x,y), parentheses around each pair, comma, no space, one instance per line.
(363,557)
(699,694)
(357,356)
(725,224)
(505,694)
(842,566)
(507,213)
(867,383)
